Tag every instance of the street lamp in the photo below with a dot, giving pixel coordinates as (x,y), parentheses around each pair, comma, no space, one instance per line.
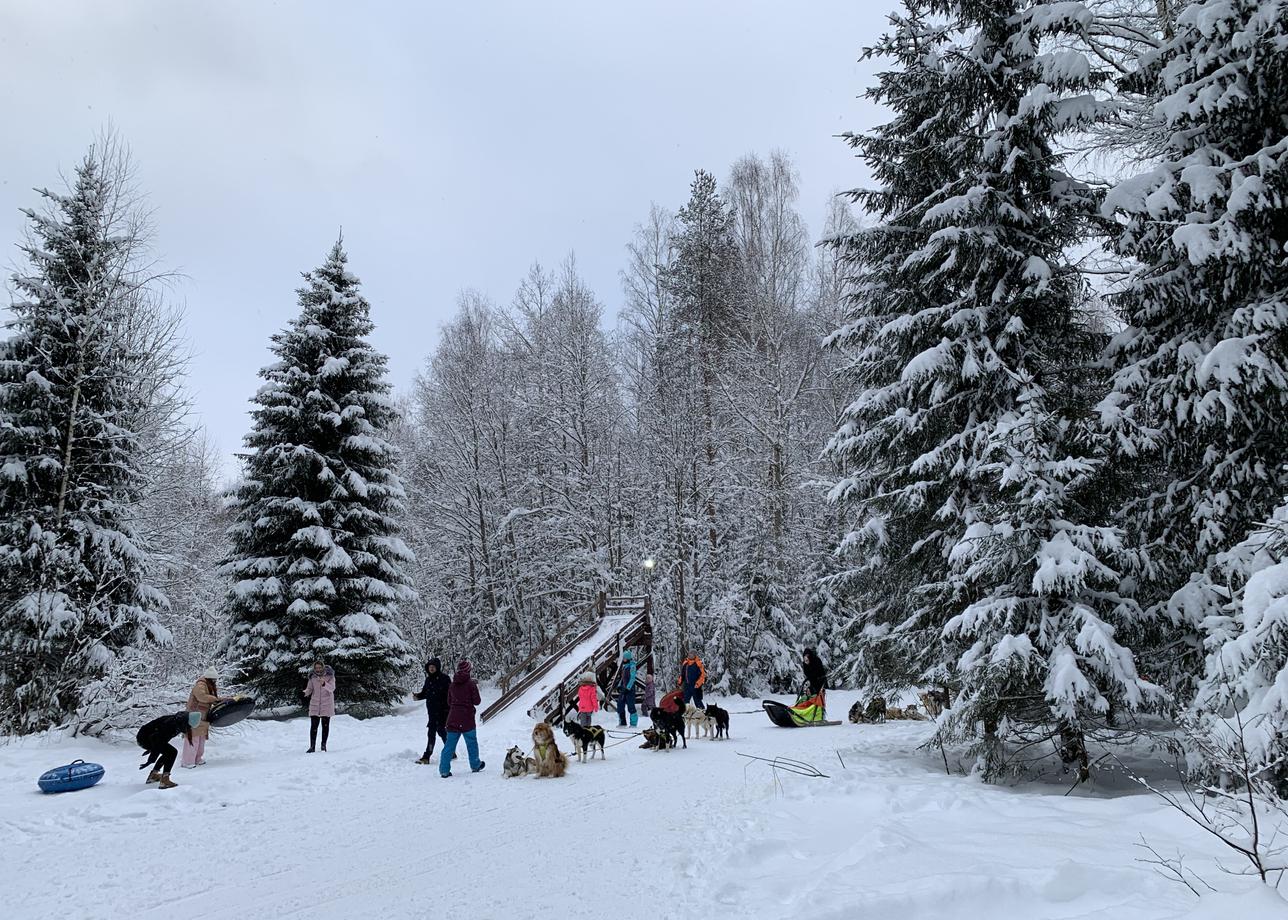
(648,565)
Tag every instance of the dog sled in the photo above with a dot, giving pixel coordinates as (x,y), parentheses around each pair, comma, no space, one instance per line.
(808,712)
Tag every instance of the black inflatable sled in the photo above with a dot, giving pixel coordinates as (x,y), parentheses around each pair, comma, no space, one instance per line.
(231,712)
(807,711)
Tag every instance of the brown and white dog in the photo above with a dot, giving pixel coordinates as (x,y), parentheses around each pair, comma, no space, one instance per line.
(546,756)
(935,701)
(658,740)
(697,723)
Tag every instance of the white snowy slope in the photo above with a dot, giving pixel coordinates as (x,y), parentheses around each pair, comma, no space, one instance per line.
(530,697)
(266,831)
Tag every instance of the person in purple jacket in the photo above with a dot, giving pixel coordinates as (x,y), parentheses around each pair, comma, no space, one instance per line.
(462,697)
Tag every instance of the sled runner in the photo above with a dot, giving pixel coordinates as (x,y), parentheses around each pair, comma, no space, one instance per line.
(230,713)
(808,711)
(70,777)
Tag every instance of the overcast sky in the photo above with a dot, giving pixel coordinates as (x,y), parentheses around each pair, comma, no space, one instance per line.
(455,142)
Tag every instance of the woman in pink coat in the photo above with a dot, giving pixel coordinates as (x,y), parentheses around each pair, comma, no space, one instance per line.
(321,693)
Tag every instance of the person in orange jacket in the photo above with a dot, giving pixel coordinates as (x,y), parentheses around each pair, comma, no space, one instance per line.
(693,674)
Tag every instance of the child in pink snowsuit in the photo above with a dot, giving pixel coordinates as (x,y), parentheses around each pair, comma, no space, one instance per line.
(588,698)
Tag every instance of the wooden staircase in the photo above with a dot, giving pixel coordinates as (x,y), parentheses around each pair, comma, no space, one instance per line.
(636,631)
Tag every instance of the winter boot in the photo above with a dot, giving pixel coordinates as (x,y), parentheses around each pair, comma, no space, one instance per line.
(312,750)
(635,719)
(165,782)
(621,724)
(153,777)
(426,758)
(479,768)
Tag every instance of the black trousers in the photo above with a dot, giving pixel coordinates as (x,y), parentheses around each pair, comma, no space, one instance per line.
(165,759)
(437,725)
(313,730)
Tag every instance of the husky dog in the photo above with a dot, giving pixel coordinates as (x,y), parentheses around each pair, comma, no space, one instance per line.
(935,701)
(658,740)
(874,711)
(585,739)
(697,724)
(515,763)
(670,724)
(721,719)
(547,758)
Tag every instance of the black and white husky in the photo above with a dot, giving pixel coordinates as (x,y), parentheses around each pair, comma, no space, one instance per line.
(585,738)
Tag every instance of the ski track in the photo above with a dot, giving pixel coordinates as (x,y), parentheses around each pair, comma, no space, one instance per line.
(264,830)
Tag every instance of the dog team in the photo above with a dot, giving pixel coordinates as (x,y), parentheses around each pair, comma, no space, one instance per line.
(451,704)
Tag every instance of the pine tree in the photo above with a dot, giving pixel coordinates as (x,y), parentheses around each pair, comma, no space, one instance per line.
(973,465)
(75,599)
(1199,404)
(317,566)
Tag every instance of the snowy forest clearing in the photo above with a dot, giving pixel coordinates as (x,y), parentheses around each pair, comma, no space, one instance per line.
(362,831)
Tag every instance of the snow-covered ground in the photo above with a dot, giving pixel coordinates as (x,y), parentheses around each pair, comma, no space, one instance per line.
(265,831)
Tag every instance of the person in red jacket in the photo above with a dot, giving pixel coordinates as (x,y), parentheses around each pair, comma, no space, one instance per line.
(589,696)
(462,698)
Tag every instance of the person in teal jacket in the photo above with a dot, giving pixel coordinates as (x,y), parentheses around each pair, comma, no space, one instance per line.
(626,689)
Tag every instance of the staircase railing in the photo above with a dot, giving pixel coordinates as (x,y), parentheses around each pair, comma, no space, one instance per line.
(554,705)
(594,612)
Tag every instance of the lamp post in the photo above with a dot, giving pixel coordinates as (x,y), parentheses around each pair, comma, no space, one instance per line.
(648,565)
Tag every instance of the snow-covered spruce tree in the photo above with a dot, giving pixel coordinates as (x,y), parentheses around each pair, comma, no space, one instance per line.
(74,592)
(973,462)
(1247,663)
(316,563)
(702,282)
(1200,390)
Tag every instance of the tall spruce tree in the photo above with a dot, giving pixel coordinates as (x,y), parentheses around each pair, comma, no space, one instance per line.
(972,462)
(1199,402)
(74,591)
(317,565)
(702,282)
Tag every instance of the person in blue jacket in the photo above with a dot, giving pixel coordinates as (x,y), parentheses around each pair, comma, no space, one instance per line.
(626,689)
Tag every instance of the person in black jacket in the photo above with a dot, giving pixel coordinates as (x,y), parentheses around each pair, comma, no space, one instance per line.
(155,738)
(434,693)
(815,673)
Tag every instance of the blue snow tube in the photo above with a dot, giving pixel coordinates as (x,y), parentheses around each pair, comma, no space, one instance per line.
(68,778)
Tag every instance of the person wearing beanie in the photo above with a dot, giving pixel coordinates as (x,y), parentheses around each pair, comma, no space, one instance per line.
(588,699)
(434,693)
(626,690)
(205,693)
(462,698)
